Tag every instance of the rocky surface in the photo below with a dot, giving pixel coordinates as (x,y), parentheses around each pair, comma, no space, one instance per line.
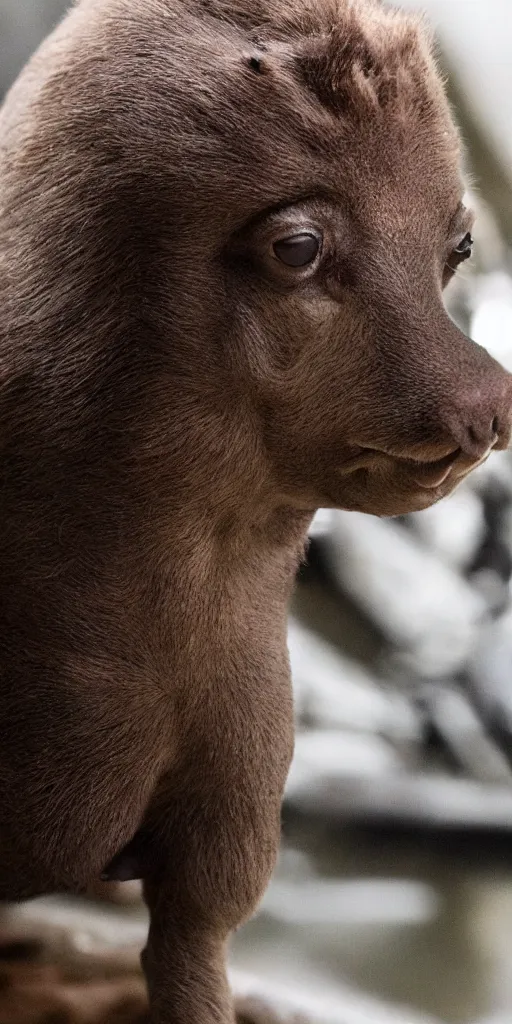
(66,963)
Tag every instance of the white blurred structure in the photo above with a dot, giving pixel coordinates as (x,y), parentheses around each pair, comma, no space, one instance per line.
(477,36)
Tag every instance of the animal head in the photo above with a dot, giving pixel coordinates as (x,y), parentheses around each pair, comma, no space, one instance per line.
(257,205)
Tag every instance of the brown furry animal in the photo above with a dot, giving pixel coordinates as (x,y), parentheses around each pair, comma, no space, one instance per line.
(225,226)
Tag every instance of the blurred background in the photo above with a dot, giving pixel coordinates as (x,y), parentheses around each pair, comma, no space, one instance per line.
(392,901)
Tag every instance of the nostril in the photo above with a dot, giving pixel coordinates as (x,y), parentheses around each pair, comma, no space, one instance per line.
(486,437)
(478,424)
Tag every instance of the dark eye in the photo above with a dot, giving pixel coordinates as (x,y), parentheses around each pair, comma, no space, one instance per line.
(463,250)
(297,250)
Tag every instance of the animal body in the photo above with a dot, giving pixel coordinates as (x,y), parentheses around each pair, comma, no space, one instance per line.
(225,228)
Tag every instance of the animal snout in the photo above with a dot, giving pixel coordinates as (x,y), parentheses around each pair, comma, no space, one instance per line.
(480,418)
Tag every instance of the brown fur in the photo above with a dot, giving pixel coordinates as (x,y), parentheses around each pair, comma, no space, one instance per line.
(175,404)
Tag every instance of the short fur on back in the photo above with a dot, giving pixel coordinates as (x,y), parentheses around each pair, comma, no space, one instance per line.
(177,399)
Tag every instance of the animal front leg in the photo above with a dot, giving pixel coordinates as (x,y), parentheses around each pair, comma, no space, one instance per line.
(214,867)
(185,968)
(204,892)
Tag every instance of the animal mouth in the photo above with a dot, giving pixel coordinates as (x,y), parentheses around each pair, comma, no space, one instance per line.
(431,474)
(427,475)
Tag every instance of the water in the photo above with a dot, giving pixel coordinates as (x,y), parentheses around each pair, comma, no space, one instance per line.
(425,923)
